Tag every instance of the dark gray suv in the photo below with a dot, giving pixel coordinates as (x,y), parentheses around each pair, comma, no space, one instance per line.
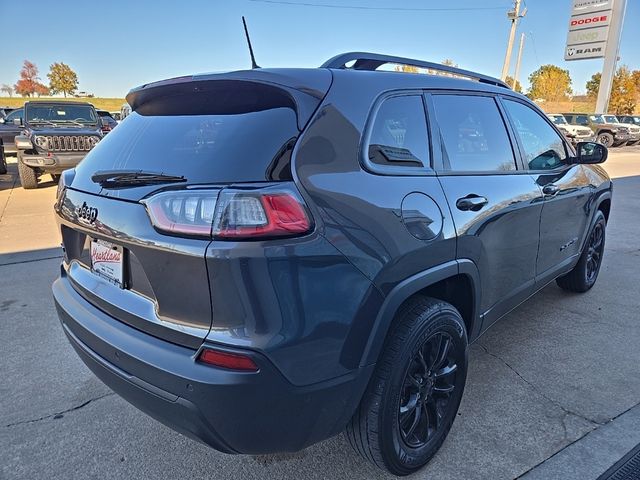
(263,259)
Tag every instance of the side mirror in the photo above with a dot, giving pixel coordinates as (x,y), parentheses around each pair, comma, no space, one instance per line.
(17,121)
(591,152)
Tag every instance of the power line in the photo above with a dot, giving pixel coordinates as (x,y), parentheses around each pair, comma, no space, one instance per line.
(364,7)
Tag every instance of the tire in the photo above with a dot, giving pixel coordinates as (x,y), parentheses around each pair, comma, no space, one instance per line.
(28,176)
(3,161)
(391,427)
(605,139)
(585,273)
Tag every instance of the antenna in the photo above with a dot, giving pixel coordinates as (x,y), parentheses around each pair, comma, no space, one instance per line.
(246,32)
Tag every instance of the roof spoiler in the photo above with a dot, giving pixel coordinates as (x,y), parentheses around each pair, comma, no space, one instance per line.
(372,61)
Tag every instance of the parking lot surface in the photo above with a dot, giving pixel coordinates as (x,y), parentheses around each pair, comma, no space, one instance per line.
(552,392)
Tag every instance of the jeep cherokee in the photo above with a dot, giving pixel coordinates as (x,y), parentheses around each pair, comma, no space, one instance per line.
(263,259)
(55,136)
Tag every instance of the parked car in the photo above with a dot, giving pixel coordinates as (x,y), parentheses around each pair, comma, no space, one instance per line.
(574,133)
(630,119)
(10,126)
(634,130)
(117,116)
(607,134)
(55,136)
(262,259)
(83,94)
(108,122)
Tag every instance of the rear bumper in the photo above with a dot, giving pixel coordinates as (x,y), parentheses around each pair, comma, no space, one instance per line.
(234,412)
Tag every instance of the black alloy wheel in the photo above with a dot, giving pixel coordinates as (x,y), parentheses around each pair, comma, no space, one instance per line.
(595,247)
(584,275)
(415,391)
(426,391)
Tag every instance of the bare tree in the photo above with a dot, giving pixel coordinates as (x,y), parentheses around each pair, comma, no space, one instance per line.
(6,88)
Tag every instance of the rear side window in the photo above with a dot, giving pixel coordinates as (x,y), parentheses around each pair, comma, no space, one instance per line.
(474,136)
(543,147)
(399,133)
(232,132)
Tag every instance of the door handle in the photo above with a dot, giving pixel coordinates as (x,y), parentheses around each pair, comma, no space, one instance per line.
(550,189)
(471,202)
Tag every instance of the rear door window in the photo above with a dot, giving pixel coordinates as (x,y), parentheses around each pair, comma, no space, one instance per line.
(474,135)
(398,135)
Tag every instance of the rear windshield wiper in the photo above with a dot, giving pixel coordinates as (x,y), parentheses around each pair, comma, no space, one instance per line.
(125,178)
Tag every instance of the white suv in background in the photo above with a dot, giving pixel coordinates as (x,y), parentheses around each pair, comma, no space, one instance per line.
(634,130)
(575,133)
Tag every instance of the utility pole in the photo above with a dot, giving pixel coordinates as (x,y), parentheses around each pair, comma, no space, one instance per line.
(611,55)
(513,15)
(516,75)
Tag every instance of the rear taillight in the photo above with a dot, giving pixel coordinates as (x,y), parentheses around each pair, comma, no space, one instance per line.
(187,212)
(269,212)
(232,361)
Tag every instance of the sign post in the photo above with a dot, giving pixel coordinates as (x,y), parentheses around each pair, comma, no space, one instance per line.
(594,32)
(611,56)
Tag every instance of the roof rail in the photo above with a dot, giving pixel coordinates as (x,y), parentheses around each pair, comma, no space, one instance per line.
(371,61)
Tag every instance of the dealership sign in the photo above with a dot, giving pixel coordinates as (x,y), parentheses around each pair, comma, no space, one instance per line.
(588,29)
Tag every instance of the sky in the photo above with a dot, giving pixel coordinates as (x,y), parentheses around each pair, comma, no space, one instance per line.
(116,45)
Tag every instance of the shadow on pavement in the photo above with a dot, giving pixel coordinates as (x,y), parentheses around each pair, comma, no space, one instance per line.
(11,179)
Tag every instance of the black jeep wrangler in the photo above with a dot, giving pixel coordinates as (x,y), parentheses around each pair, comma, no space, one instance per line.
(56,136)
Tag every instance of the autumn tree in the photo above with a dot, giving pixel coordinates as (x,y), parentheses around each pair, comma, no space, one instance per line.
(636,79)
(41,90)
(6,88)
(550,83)
(407,69)
(593,85)
(62,79)
(29,82)
(517,87)
(623,92)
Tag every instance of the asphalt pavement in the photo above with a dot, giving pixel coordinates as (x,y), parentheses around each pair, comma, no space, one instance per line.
(553,389)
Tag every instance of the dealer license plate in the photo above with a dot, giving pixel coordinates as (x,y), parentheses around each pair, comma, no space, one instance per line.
(106,260)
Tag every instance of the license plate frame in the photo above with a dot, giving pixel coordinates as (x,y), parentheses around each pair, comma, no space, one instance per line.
(107,261)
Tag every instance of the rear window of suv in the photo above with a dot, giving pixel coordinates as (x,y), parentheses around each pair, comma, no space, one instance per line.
(234,132)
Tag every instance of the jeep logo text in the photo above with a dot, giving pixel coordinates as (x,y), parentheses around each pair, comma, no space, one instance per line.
(86,213)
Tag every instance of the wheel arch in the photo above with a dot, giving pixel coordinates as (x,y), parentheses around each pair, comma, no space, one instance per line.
(456,282)
(604,205)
